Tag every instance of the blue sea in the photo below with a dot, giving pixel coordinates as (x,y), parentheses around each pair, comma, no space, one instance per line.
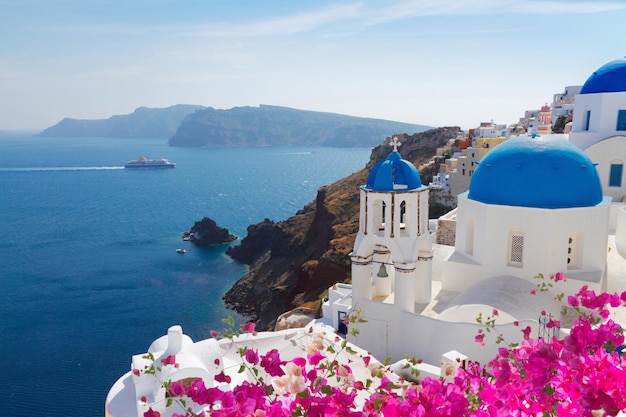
(89,273)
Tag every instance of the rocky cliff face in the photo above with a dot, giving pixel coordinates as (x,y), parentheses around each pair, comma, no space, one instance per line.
(293,262)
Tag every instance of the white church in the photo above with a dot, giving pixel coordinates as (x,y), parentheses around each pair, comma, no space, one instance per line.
(536,205)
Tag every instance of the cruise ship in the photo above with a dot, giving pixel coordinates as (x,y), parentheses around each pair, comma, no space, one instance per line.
(143,163)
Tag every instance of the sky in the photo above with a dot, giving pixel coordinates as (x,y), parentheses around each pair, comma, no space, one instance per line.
(430,62)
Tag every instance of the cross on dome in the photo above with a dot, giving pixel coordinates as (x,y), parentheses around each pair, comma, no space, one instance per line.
(395,143)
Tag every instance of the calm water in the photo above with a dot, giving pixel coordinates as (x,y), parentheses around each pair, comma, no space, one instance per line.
(89,273)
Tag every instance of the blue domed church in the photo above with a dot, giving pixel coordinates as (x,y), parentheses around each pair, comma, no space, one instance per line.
(535,205)
(599,125)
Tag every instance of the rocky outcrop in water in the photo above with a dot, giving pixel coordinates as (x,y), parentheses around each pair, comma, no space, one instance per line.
(293,262)
(206,233)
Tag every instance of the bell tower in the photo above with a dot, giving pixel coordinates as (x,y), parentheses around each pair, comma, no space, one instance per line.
(392,256)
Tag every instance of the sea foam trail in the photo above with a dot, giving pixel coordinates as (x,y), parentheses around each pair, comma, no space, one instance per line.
(30,169)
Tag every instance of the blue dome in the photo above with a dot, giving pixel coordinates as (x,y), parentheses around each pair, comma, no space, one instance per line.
(610,78)
(393,174)
(542,172)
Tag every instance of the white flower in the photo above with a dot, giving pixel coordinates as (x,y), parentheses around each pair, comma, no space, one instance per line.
(290,383)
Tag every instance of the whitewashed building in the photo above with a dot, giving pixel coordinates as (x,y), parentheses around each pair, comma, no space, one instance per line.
(599,126)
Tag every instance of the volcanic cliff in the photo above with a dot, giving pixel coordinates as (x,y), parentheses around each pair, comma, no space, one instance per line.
(292,262)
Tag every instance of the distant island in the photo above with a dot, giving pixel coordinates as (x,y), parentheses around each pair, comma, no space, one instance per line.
(274,125)
(195,126)
(144,122)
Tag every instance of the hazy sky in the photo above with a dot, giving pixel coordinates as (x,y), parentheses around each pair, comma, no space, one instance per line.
(433,62)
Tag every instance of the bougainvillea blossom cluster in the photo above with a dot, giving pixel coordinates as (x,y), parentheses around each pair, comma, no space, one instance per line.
(581,374)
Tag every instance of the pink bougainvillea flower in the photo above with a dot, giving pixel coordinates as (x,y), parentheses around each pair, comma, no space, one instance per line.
(553,323)
(366,360)
(170,360)
(572,301)
(252,356)
(222,377)
(214,334)
(247,327)
(151,413)
(271,363)
(315,358)
(177,388)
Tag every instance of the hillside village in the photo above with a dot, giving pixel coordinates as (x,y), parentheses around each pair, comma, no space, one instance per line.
(545,195)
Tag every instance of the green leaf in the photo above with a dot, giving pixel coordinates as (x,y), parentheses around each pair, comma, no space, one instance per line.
(303,394)
(327,390)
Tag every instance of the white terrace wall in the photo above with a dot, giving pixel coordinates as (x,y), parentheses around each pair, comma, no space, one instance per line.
(388,332)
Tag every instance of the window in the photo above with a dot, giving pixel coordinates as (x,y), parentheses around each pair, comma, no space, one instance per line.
(615,175)
(588,119)
(342,327)
(378,216)
(403,215)
(574,249)
(621,120)
(516,249)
